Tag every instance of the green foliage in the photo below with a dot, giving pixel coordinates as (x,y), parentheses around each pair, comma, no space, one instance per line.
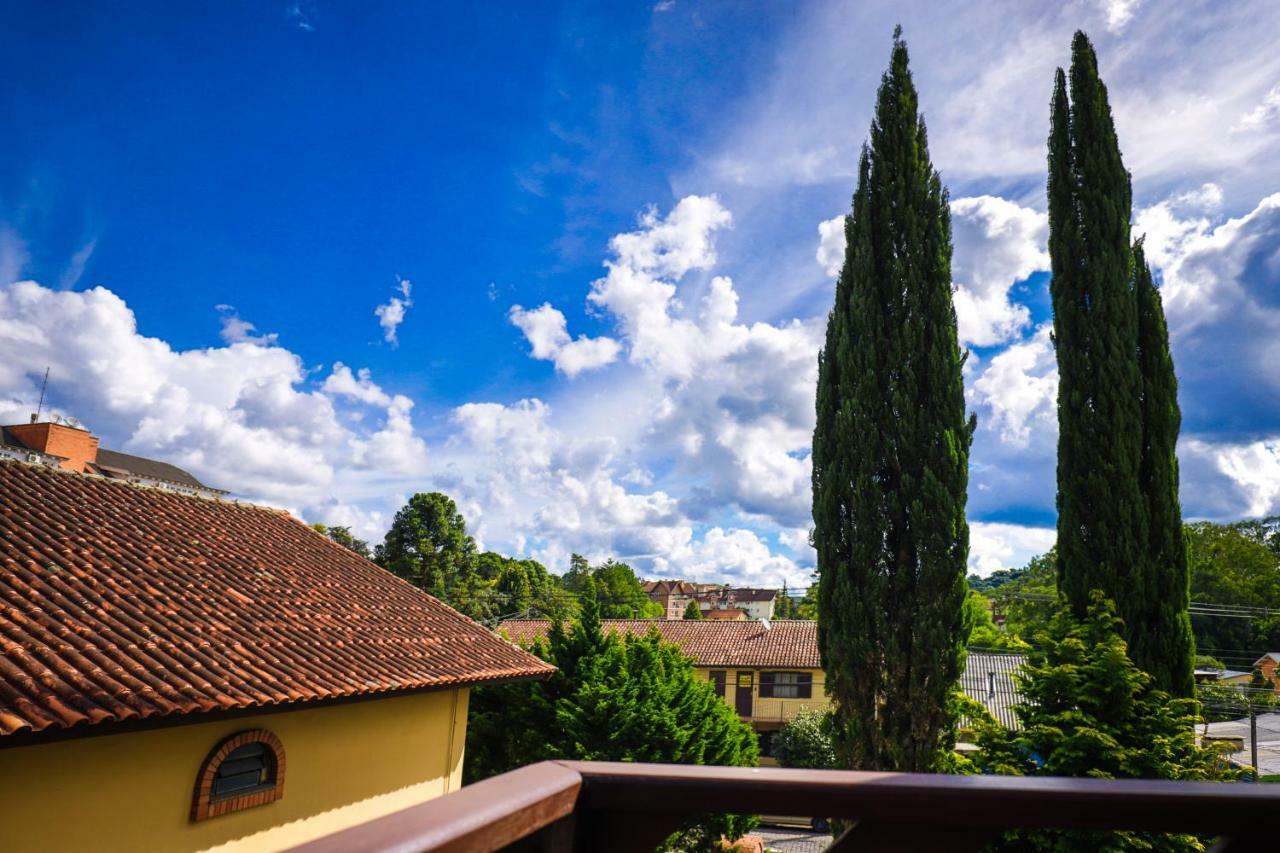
(1119,522)
(428,546)
(616,588)
(342,535)
(1222,702)
(785,607)
(612,699)
(1265,531)
(807,607)
(1164,645)
(1090,712)
(692,611)
(1232,564)
(983,631)
(1028,601)
(805,742)
(995,580)
(890,456)
(525,588)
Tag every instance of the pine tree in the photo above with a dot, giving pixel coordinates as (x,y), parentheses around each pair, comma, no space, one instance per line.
(1089,711)
(1119,525)
(890,456)
(612,699)
(1166,645)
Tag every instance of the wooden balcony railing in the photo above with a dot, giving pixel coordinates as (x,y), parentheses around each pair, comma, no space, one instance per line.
(600,806)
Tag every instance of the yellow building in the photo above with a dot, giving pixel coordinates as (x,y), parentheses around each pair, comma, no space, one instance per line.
(767,671)
(179,673)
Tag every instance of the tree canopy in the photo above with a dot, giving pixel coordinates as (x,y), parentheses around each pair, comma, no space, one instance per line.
(616,588)
(343,536)
(1089,711)
(1119,520)
(636,698)
(890,455)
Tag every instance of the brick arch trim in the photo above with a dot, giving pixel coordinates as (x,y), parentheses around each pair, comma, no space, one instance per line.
(203,807)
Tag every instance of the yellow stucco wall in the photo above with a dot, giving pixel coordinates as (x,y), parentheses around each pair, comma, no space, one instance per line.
(768,709)
(345,763)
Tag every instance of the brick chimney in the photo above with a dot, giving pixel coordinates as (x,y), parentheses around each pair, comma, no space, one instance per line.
(77,446)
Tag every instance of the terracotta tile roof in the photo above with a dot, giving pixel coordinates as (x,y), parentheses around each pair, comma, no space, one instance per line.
(787,643)
(668,588)
(121,602)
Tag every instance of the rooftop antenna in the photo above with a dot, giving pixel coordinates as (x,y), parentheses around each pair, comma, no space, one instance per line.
(35,418)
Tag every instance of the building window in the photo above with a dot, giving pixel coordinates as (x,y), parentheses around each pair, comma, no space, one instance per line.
(243,771)
(766,742)
(718,681)
(786,685)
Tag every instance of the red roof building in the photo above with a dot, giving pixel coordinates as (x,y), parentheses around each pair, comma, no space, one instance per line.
(213,639)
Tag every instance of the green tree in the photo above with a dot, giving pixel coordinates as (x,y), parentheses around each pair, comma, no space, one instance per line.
(692,611)
(342,535)
(616,588)
(525,588)
(428,546)
(1119,524)
(1028,601)
(1164,645)
(984,633)
(805,742)
(1232,565)
(807,607)
(890,456)
(1089,711)
(785,606)
(1265,531)
(611,699)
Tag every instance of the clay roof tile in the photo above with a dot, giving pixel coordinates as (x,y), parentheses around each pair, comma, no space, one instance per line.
(119,601)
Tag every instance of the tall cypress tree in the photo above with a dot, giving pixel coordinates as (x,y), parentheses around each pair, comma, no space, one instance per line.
(890,456)
(1166,644)
(1114,500)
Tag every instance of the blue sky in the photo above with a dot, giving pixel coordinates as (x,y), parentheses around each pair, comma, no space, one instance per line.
(570,262)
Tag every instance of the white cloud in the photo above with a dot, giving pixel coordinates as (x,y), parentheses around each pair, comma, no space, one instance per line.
(1018,389)
(237,330)
(996,243)
(342,382)
(1119,12)
(1166,233)
(547,332)
(995,546)
(391,314)
(831,244)
(241,417)
(1255,468)
(1262,115)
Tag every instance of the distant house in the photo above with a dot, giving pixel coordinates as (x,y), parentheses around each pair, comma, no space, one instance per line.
(674,596)
(183,672)
(66,445)
(1222,676)
(769,673)
(1267,666)
(755,603)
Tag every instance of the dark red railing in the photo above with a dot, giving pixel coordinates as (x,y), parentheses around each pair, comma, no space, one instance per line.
(602,806)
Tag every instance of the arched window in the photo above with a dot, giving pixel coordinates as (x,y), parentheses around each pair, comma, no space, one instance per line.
(243,771)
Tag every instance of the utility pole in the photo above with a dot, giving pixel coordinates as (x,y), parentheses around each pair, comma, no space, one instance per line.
(1253,740)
